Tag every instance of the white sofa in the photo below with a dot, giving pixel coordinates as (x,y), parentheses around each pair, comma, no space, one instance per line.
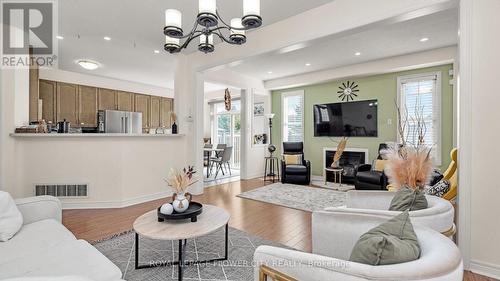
(44,247)
(439,214)
(333,237)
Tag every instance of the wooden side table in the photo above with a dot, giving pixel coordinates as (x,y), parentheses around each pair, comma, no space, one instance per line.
(272,169)
(337,174)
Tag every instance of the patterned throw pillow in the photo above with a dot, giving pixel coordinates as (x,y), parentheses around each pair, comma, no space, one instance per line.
(439,189)
(293,159)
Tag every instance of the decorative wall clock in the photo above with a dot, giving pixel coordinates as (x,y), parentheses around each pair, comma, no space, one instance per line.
(348,91)
(227,99)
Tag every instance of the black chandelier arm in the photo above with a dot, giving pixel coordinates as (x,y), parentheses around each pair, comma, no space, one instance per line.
(228,25)
(193,36)
(219,34)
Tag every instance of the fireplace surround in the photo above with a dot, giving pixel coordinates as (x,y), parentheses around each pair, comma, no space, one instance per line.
(350,161)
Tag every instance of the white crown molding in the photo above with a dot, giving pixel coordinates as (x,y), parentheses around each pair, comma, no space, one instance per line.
(388,65)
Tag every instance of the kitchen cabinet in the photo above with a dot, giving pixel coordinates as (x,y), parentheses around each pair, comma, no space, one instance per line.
(166,106)
(106,99)
(87,106)
(34,114)
(47,93)
(67,103)
(142,104)
(154,119)
(125,101)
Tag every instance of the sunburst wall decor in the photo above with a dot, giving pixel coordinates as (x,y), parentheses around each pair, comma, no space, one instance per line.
(348,91)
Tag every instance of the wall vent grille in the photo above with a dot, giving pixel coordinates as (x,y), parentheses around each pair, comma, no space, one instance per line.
(62,190)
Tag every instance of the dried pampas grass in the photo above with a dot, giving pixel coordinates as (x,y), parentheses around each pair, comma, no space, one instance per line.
(340,150)
(408,165)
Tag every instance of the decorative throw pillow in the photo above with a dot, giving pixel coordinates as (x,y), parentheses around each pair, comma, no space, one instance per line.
(436,176)
(392,242)
(11,219)
(439,189)
(293,159)
(379,165)
(408,198)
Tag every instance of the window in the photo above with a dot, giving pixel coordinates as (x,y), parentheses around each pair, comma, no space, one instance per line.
(422,93)
(293,116)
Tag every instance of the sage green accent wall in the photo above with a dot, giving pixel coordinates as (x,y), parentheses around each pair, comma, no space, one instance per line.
(381,87)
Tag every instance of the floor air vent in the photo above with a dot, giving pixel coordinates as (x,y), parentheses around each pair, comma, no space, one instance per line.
(62,190)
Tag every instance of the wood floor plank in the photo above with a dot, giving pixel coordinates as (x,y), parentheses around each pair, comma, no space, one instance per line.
(283,225)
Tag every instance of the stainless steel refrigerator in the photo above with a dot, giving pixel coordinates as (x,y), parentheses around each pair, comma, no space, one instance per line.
(123,122)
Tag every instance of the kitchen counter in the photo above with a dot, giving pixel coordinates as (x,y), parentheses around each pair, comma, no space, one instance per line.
(91,135)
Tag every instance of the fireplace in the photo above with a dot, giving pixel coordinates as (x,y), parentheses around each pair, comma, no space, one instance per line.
(351,159)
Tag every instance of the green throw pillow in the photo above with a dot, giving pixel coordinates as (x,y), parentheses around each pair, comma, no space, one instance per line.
(392,242)
(408,198)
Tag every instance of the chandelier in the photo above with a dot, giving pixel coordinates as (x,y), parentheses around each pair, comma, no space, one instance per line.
(209,23)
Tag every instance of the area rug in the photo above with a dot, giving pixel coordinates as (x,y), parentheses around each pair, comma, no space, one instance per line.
(120,250)
(299,197)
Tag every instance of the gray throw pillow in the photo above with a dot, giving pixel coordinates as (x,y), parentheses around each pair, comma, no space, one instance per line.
(392,242)
(408,198)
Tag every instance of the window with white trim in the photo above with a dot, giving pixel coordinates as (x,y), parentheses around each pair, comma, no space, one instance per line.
(421,94)
(292,116)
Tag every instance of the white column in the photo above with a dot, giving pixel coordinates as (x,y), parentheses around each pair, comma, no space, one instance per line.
(188,103)
(479,187)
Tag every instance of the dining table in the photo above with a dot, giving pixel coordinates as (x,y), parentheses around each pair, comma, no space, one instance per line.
(210,150)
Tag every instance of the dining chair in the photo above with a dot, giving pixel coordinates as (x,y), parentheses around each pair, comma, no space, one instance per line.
(206,154)
(223,161)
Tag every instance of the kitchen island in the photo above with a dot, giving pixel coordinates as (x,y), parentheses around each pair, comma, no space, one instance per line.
(118,169)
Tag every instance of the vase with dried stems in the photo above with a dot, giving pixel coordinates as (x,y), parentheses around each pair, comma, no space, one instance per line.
(179,181)
(338,153)
(409,162)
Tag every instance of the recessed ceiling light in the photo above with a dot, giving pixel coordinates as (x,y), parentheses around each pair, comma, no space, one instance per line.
(308,64)
(59,37)
(156,51)
(357,54)
(269,72)
(88,64)
(107,38)
(425,39)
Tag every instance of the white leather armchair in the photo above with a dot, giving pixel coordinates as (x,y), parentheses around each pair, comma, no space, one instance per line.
(438,216)
(335,234)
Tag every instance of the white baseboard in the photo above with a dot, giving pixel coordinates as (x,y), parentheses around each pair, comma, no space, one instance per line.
(82,204)
(486,269)
(252,176)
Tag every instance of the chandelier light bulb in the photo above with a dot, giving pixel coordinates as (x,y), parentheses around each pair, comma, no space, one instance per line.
(237,35)
(173,23)
(251,14)
(207,6)
(206,43)
(172,44)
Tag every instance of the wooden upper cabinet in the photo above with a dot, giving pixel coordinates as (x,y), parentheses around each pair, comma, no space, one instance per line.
(47,94)
(142,104)
(87,103)
(106,99)
(67,103)
(154,110)
(34,114)
(125,101)
(166,106)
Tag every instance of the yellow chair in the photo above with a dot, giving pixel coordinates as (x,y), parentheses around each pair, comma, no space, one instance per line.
(451,175)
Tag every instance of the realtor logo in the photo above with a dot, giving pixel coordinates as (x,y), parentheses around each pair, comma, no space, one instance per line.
(28,25)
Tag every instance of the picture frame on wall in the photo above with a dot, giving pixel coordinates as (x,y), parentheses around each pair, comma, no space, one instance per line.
(258,109)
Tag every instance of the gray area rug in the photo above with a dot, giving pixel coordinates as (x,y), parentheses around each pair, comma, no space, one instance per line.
(120,250)
(299,197)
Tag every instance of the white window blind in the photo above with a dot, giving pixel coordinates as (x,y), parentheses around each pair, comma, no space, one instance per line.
(293,116)
(421,95)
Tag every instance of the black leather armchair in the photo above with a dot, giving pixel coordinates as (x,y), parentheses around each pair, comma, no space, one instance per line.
(366,179)
(295,174)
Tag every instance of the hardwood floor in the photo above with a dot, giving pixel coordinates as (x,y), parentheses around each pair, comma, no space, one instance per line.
(279,224)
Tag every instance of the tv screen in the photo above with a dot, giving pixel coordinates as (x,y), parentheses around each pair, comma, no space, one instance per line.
(350,119)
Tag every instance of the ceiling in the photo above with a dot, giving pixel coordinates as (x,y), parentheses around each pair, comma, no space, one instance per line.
(381,42)
(136,30)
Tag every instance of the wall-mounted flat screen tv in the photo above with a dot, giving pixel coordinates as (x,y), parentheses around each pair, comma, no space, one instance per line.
(350,119)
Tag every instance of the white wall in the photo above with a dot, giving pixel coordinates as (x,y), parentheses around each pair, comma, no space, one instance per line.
(479,188)
(120,171)
(103,82)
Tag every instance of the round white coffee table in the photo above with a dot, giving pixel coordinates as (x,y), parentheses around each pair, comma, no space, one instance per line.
(337,175)
(211,219)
